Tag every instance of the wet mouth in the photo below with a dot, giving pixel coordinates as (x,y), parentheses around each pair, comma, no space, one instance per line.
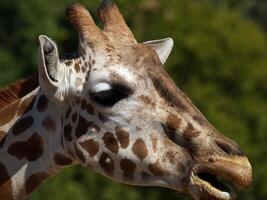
(216,186)
(216,182)
(220,179)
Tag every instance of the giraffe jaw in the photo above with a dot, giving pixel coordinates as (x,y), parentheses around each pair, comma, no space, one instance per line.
(207,181)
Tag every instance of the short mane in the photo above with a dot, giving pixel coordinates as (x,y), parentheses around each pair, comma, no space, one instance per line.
(18,90)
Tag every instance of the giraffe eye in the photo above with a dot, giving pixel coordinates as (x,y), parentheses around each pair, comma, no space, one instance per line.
(112,95)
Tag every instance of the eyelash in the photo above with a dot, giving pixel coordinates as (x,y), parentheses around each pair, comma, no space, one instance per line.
(111,97)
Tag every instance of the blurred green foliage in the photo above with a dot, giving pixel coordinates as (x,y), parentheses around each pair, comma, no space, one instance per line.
(219,60)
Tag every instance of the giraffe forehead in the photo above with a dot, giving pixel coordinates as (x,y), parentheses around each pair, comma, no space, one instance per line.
(123,62)
(98,74)
(123,71)
(111,72)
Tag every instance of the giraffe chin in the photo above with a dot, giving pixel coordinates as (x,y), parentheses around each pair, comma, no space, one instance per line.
(217,179)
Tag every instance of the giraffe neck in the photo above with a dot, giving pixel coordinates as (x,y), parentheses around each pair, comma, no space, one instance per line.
(31,148)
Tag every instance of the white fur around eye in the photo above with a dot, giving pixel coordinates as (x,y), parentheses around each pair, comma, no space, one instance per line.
(100,87)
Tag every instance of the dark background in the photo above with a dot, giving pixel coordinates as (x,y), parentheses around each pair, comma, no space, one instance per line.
(219,60)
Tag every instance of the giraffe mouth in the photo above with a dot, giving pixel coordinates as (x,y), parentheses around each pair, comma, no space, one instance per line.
(220,179)
(214,187)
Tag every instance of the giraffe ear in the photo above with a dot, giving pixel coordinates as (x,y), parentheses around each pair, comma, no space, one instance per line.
(163,48)
(50,69)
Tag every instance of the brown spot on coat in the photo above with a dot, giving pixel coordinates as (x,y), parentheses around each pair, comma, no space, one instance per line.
(83,51)
(74,117)
(154,140)
(109,50)
(77,67)
(32,149)
(138,128)
(107,163)
(34,180)
(110,142)
(62,160)
(49,124)
(83,68)
(84,104)
(42,103)
(123,137)
(147,101)
(139,149)
(68,113)
(173,122)
(156,169)
(90,146)
(83,126)
(22,125)
(128,168)
(90,109)
(2,142)
(102,118)
(190,132)
(78,100)
(67,132)
(68,63)
(5,184)
(170,155)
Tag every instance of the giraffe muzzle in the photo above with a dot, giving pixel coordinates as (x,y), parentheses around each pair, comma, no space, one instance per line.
(217,178)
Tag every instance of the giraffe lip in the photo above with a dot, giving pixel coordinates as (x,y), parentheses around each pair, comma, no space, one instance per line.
(216,179)
(211,186)
(216,182)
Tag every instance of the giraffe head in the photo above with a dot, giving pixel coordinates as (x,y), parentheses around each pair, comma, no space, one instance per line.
(125,118)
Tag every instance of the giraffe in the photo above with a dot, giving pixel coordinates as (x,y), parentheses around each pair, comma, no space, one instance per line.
(111,107)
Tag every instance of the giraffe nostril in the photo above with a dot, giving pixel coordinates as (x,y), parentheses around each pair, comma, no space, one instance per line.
(229,148)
